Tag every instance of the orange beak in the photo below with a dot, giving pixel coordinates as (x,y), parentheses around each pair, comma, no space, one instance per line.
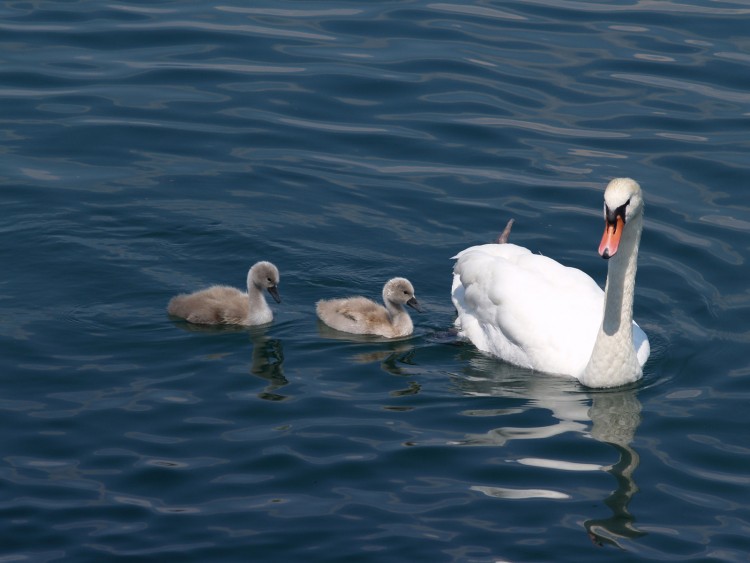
(611,238)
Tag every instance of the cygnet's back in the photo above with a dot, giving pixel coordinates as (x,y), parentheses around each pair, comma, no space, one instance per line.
(224,305)
(359,315)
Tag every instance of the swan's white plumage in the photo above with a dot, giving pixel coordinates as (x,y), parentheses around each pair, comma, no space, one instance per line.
(509,305)
(534,312)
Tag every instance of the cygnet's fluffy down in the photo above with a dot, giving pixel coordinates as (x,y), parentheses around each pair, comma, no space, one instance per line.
(224,305)
(359,315)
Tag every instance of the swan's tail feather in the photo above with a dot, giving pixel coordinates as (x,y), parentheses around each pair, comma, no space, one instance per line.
(505,235)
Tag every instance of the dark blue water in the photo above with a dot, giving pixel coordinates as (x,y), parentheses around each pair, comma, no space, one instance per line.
(151,148)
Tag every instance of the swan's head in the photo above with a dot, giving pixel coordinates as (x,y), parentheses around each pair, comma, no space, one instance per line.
(622,203)
(265,275)
(401,292)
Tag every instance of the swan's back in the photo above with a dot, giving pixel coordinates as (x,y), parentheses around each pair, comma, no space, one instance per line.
(509,305)
(219,304)
(357,315)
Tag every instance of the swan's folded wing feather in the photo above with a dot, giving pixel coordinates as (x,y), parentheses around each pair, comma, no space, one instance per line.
(641,344)
(218,304)
(513,297)
(357,315)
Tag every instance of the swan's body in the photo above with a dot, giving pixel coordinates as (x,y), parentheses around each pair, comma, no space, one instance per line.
(359,315)
(224,305)
(534,312)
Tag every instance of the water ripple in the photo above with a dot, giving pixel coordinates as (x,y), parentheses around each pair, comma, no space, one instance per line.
(544,128)
(693,87)
(480,11)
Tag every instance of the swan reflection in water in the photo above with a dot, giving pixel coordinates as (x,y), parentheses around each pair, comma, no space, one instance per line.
(268,363)
(615,416)
(395,355)
(609,416)
(267,354)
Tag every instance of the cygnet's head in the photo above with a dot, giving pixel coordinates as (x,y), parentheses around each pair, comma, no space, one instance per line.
(623,202)
(265,275)
(401,292)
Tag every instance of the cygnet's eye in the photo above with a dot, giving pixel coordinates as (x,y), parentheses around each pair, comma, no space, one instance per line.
(269,280)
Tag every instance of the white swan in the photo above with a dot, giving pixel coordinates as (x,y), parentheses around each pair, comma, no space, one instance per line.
(359,315)
(534,312)
(224,305)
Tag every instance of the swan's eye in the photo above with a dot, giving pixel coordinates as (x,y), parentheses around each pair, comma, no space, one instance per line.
(611,216)
(620,211)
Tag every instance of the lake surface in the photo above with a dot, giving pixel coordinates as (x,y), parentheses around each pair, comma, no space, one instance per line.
(152,148)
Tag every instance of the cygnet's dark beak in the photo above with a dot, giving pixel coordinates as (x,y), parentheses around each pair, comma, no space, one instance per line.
(414,304)
(274,291)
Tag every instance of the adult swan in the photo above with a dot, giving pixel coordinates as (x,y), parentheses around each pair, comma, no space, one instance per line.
(534,312)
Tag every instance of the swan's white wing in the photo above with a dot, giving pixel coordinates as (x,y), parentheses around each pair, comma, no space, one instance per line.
(641,344)
(526,308)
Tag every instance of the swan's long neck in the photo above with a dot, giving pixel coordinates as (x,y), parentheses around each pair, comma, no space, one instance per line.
(400,319)
(613,360)
(259,311)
